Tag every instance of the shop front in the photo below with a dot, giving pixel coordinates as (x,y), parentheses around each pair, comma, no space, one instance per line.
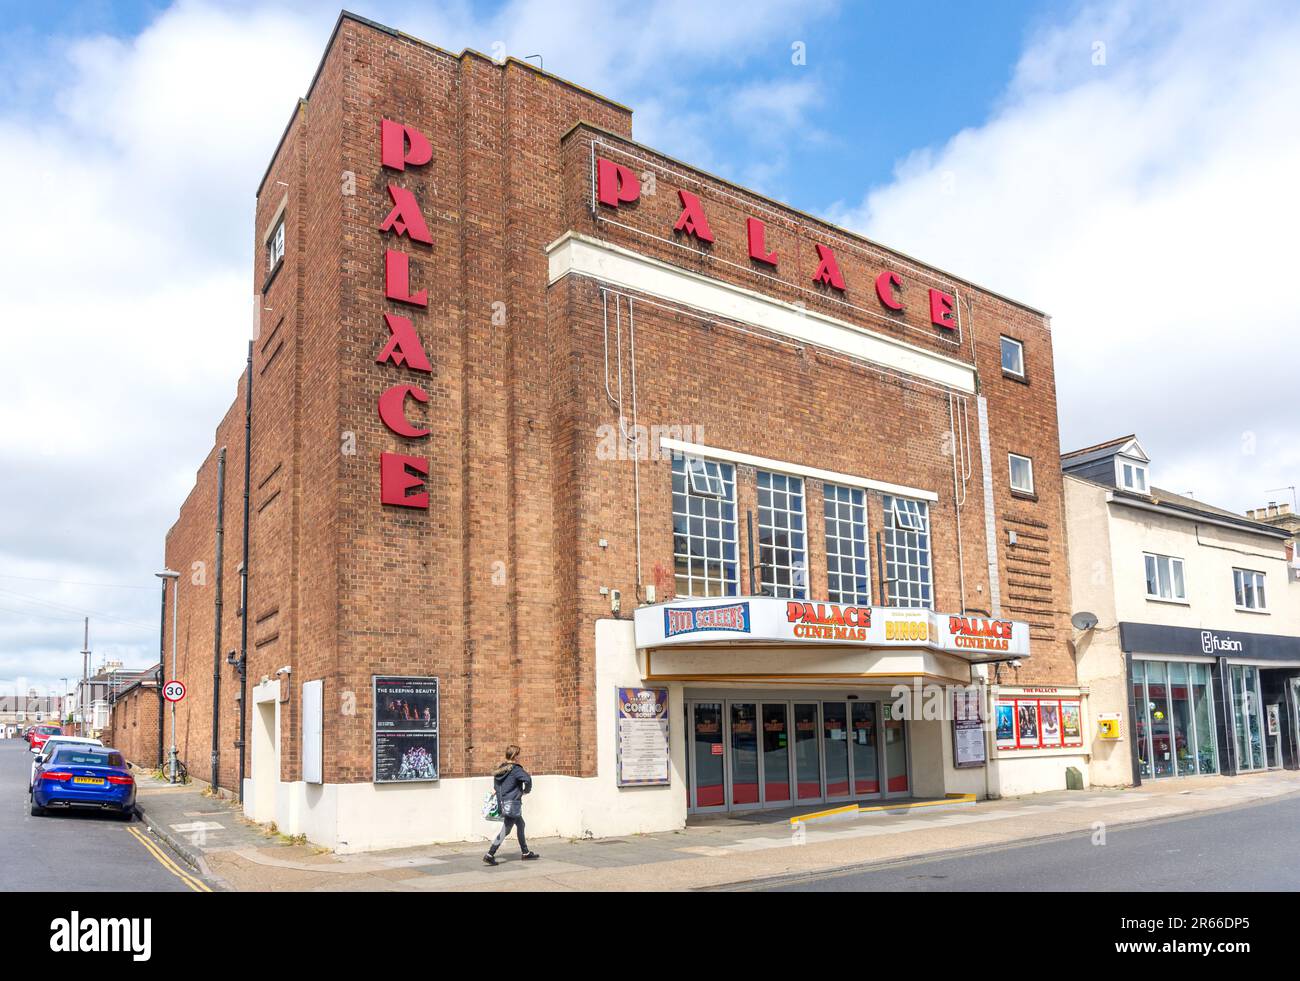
(792,704)
(1211,701)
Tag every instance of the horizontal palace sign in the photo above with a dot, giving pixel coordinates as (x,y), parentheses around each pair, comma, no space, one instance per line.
(766,620)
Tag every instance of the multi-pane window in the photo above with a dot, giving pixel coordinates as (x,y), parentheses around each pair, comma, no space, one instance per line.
(847,569)
(275,246)
(1013,357)
(907,552)
(1165,577)
(782,542)
(1250,589)
(1022,473)
(1132,476)
(704,528)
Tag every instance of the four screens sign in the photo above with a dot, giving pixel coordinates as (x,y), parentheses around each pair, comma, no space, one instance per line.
(406,729)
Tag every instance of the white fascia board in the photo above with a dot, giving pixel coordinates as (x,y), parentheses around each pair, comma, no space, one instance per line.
(795,469)
(573,254)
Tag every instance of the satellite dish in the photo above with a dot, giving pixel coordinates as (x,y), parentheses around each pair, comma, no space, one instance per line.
(1084,620)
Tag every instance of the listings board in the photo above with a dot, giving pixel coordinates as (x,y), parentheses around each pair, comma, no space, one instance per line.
(406,729)
(642,737)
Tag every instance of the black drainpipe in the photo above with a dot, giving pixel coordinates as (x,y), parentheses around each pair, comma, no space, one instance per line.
(243,574)
(216,632)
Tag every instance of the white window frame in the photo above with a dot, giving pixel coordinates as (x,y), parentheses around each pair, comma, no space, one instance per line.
(918,512)
(1160,575)
(797,570)
(1139,483)
(1020,349)
(1011,473)
(835,544)
(1259,592)
(275,245)
(724,585)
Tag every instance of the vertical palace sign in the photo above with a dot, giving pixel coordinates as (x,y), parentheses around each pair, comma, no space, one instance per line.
(401,476)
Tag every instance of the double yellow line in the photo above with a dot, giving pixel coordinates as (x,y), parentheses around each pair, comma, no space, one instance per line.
(198,885)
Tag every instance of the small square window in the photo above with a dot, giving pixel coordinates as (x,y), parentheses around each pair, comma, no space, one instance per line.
(1130,475)
(1013,357)
(1022,473)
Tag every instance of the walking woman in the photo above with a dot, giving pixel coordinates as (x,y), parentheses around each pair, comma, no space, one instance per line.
(511,782)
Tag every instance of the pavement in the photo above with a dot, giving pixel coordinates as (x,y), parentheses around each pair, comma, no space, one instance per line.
(710,853)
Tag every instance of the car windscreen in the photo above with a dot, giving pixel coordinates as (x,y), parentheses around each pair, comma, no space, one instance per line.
(64,756)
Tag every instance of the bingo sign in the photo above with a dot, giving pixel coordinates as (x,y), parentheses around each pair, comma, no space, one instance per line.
(642,738)
(174,691)
(406,729)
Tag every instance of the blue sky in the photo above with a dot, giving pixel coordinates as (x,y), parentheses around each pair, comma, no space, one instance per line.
(1127,166)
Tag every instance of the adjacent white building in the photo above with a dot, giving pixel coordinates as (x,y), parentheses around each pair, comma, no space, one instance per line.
(1195,655)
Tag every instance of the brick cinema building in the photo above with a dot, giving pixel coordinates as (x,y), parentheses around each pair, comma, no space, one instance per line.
(557,440)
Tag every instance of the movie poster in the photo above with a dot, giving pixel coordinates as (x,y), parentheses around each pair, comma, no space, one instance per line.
(968,729)
(1006,725)
(406,729)
(1027,724)
(1071,724)
(1049,717)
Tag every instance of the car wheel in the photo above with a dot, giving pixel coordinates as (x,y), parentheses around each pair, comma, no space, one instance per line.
(37,810)
(128,815)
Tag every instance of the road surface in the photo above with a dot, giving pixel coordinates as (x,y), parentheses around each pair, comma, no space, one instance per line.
(77,852)
(1251,848)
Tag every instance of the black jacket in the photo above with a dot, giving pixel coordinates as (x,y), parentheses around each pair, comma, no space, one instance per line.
(511,781)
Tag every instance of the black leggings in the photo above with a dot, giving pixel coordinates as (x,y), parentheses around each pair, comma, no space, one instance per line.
(506,825)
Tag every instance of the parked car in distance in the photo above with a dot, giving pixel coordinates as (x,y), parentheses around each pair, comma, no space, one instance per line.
(42,733)
(52,744)
(84,778)
(27,733)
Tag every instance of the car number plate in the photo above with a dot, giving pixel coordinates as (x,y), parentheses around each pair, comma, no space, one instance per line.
(97,781)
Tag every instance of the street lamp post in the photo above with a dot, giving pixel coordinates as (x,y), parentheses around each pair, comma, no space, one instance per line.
(175,577)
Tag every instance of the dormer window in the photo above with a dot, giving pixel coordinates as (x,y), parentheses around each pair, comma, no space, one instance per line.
(1131,475)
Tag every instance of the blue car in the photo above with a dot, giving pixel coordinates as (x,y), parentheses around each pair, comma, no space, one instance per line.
(86,778)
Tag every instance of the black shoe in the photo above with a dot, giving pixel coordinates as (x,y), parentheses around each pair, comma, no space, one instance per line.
(529,856)
(490,860)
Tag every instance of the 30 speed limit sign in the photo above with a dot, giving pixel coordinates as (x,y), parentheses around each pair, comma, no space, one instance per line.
(173,691)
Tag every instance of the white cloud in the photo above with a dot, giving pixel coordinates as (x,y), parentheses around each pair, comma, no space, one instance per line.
(125,303)
(1149,204)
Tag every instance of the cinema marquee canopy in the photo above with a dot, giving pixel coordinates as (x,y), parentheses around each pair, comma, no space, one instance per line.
(765,620)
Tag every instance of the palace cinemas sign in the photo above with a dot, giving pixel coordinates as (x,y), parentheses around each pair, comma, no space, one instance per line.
(402,477)
(617,185)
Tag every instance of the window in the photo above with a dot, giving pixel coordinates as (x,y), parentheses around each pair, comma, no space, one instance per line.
(275,246)
(1013,357)
(1022,473)
(847,568)
(704,528)
(1250,589)
(907,552)
(1131,476)
(1165,577)
(782,544)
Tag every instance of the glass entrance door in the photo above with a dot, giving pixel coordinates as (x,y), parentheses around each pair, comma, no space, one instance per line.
(835,749)
(866,749)
(708,770)
(744,755)
(897,783)
(807,767)
(776,753)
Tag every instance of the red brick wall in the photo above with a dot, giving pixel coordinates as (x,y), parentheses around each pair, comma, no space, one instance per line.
(133,727)
(495,588)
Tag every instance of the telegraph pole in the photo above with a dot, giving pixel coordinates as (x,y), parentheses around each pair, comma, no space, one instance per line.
(85,680)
